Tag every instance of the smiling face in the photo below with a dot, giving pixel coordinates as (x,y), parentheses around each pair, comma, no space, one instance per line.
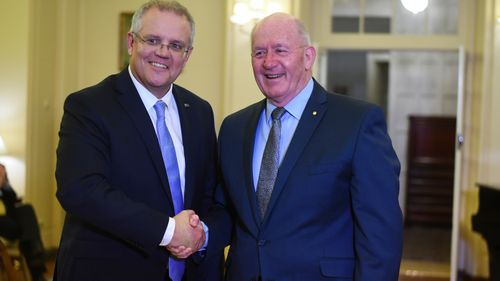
(157,67)
(281,58)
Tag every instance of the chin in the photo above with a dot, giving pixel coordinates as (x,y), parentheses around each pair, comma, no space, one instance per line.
(275,94)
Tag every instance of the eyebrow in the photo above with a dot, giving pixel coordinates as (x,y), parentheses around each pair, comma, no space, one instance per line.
(274,46)
(177,41)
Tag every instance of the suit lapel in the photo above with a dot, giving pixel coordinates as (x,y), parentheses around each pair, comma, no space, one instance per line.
(131,102)
(188,142)
(248,145)
(311,117)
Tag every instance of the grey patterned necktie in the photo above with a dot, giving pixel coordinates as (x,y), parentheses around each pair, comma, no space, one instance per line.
(270,162)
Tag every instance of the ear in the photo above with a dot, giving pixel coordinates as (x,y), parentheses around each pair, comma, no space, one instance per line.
(186,58)
(130,42)
(309,56)
(189,52)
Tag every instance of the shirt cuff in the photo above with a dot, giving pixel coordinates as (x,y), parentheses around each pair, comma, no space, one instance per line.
(205,229)
(169,232)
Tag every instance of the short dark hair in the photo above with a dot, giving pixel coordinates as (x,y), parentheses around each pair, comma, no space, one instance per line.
(171,6)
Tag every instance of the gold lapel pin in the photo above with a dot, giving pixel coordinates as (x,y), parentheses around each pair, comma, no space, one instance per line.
(315,113)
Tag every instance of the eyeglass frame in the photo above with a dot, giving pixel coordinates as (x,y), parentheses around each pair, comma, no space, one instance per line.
(156,43)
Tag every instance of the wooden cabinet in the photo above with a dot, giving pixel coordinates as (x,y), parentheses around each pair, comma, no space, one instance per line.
(430,171)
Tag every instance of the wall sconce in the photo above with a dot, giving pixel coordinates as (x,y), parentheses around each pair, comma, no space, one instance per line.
(415,6)
(247,11)
(3,149)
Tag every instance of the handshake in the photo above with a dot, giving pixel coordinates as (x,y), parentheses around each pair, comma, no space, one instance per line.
(189,235)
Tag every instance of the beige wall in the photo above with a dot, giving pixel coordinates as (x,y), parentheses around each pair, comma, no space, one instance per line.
(491,137)
(13,91)
(481,105)
(482,133)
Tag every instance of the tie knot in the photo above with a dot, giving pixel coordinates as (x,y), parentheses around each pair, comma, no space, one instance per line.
(160,109)
(277,113)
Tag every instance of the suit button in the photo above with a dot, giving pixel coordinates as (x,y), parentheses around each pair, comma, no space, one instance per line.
(261,243)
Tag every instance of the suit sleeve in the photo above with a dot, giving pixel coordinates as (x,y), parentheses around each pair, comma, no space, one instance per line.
(84,188)
(374,189)
(219,219)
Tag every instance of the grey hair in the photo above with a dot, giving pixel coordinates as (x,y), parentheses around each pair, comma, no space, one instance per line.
(170,6)
(303,32)
(301,28)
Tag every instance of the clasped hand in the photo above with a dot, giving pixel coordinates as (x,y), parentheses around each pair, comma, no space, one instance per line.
(188,237)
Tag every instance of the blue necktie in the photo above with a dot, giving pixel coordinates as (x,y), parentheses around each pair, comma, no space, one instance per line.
(175,267)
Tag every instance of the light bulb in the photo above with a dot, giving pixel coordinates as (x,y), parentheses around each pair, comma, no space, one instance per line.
(240,13)
(415,6)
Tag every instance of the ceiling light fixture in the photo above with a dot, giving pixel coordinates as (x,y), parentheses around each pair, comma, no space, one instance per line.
(249,11)
(415,6)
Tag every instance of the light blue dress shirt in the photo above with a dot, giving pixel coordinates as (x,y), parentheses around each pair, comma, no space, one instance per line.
(289,122)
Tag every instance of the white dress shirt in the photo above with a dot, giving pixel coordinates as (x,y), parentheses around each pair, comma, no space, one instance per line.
(174,128)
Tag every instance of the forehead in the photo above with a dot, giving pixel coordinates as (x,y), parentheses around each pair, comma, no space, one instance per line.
(275,32)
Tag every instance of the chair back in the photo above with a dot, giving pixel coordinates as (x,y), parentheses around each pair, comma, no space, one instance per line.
(7,269)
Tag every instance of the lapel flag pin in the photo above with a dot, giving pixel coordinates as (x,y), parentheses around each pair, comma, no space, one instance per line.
(186,105)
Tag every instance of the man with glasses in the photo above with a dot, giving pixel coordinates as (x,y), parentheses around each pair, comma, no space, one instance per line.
(136,161)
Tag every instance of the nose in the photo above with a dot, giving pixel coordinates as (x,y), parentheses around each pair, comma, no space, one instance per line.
(163,50)
(269,61)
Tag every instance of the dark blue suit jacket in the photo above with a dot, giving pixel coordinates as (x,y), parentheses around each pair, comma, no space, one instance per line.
(112,183)
(334,212)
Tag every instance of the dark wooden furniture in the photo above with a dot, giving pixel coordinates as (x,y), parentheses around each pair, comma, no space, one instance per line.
(487,222)
(7,269)
(430,171)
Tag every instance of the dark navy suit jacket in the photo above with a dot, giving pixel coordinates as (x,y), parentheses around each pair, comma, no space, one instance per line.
(333,213)
(112,183)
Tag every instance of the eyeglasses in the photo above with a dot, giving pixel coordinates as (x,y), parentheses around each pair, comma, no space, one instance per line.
(278,51)
(176,48)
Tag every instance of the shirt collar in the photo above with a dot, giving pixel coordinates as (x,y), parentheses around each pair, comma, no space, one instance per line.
(148,99)
(296,106)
